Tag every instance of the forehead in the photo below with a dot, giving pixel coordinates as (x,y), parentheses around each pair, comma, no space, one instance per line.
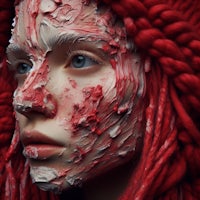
(37,21)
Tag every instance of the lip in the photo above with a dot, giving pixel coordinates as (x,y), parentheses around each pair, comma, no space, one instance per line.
(35,137)
(38,146)
(43,151)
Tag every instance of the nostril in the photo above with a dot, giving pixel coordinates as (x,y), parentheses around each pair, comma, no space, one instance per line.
(28,109)
(22,108)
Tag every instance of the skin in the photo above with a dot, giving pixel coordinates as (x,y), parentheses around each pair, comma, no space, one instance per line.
(81,88)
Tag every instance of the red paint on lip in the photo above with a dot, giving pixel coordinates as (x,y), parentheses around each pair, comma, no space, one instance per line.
(42,151)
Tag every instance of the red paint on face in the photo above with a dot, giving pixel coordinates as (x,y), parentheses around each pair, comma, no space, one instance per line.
(34,96)
(93,106)
(85,115)
(73,83)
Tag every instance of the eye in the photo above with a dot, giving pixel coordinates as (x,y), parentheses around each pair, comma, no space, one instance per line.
(81,61)
(23,68)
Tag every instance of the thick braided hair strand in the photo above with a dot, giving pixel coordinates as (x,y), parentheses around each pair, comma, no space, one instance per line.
(169,32)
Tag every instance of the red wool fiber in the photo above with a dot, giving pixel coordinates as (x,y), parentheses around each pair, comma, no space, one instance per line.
(169,165)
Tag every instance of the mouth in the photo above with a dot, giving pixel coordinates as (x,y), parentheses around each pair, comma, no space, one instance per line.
(38,146)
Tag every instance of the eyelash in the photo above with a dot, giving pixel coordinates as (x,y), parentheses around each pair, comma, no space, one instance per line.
(17,64)
(90,61)
(94,60)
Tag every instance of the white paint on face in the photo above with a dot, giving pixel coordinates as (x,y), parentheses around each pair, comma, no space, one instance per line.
(80,113)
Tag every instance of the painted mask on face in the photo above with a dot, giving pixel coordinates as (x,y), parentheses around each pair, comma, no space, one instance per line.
(80,96)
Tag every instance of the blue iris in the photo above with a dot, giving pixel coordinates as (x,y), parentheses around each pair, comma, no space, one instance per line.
(80,61)
(23,68)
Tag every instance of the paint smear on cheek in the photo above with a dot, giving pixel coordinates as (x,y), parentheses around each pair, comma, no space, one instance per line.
(120,122)
(73,83)
(85,114)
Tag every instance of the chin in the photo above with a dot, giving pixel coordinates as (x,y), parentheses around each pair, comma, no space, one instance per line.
(48,179)
(50,187)
(56,187)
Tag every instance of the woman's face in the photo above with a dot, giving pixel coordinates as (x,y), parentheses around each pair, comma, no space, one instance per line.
(80,96)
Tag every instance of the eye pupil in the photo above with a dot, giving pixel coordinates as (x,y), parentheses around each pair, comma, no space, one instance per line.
(78,61)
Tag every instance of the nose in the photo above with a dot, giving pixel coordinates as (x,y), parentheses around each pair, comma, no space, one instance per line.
(34,97)
(37,101)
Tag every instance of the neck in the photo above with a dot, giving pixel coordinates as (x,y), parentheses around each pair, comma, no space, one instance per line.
(109,186)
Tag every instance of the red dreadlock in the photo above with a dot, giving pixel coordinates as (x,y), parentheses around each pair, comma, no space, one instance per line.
(168,31)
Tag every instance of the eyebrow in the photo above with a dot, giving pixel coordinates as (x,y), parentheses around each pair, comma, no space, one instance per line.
(14,50)
(72,39)
(86,41)
(64,38)
(55,40)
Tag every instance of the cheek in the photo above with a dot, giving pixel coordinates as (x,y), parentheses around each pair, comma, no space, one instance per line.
(92,101)
(85,115)
(20,120)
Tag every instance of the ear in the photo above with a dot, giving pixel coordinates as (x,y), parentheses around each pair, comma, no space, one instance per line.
(147,64)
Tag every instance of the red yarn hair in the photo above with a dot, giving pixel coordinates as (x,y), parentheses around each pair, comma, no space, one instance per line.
(169,32)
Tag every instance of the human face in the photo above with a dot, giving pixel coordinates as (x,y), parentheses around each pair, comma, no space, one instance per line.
(80,96)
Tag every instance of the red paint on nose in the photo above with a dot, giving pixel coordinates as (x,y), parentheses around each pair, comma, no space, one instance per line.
(33,96)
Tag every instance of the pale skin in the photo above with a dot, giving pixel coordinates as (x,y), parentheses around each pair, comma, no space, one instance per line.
(79,96)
